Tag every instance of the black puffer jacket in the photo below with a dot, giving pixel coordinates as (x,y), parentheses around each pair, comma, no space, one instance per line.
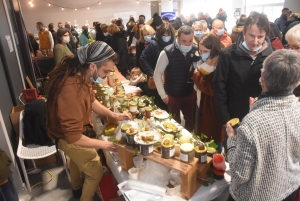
(150,55)
(236,79)
(294,20)
(119,45)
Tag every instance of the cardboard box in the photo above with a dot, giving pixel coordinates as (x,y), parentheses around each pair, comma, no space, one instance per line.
(15,117)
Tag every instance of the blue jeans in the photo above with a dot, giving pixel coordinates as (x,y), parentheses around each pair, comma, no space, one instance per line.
(8,191)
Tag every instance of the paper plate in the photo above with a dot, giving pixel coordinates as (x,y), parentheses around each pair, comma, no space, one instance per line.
(138,137)
(160,114)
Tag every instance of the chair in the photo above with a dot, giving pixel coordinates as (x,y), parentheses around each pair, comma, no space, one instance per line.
(34,151)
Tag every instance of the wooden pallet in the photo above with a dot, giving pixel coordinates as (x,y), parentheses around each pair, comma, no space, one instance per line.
(188,171)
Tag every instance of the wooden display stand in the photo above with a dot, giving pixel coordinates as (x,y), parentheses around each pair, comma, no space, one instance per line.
(188,171)
(202,168)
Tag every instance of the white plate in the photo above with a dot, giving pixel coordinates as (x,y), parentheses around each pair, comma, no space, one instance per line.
(168,130)
(156,135)
(163,114)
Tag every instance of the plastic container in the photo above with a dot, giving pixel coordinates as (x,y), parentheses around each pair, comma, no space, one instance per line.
(187,153)
(138,161)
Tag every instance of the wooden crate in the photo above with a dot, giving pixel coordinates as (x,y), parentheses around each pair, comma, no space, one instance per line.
(188,171)
(202,168)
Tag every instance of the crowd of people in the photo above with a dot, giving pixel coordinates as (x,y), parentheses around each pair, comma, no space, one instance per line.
(196,67)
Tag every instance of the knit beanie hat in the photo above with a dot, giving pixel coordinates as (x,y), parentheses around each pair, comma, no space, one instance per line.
(95,52)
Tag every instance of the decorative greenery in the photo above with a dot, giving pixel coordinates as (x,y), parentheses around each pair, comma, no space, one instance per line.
(210,179)
(116,141)
(203,138)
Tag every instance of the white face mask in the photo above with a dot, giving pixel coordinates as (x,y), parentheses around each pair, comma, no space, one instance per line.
(66,39)
(98,80)
(220,32)
(105,34)
(147,38)
(185,49)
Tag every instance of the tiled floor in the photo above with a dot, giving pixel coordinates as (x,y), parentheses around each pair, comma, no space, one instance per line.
(58,189)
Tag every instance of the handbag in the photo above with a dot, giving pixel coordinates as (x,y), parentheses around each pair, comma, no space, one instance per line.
(276,43)
(151,83)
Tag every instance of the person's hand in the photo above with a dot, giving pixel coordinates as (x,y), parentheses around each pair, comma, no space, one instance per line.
(251,101)
(195,71)
(166,100)
(109,146)
(123,116)
(229,130)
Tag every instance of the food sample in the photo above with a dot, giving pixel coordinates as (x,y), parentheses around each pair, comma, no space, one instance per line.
(158,112)
(170,126)
(146,138)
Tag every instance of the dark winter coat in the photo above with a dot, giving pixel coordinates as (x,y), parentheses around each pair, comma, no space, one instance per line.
(150,55)
(236,79)
(119,45)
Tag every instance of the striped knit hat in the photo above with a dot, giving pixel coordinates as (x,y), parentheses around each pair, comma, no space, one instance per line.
(94,52)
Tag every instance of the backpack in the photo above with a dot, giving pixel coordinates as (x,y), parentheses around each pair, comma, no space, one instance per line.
(34,124)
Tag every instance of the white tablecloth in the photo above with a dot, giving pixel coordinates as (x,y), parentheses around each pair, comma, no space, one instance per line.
(203,194)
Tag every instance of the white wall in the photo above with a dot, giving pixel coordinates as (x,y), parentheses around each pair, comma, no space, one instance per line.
(167,6)
(293,5)
(103,13)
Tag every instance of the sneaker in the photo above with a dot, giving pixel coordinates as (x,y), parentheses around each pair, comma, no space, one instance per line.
(77,193)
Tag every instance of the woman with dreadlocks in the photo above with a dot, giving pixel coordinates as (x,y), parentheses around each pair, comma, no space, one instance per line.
(70,102)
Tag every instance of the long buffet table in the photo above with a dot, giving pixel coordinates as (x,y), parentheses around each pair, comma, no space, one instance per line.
(202,194)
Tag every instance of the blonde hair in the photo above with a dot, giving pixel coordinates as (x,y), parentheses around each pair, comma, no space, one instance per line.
(147,28)
(293,34)
(135,70)
(112,29)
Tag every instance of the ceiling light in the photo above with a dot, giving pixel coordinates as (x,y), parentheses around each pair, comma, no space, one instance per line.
(88,8)
(62,9)
(31,5)
(75,8)
(99,3)
(149,3)
(49,4)
(137,1)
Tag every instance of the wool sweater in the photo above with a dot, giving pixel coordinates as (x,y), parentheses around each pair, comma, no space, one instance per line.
(264,155)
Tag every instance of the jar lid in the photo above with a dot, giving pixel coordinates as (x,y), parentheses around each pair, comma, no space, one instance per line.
(234,121)
(142,104)
(111,73)
(125,127)
(149,109)
(197,149)
(167,142)
(134,132)
(187,147)
(120,95)
(170,136)
(127,99)
(118,83)
(184,139)
(132,103)
(105,93)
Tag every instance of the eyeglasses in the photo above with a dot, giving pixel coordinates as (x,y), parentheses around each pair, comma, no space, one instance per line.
(293,47)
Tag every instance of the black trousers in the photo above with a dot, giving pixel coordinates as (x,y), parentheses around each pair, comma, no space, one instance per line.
(291,197)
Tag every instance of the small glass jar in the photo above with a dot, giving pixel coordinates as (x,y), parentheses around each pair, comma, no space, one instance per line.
(120,98)
(201,153)
(127,101)
(119,86)
(167,148)
(133,107)
(148,111)
(130,133)
(111,79)
(102,90)
(142,107)
(187,153)
(124,128)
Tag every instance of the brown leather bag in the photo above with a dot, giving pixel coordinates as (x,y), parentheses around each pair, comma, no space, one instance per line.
(151,83)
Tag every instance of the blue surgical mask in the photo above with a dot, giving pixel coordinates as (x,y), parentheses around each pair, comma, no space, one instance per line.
(246,46)
(98,80)
(220,32)
(198,34)
(147,38)
(205,56)
(185,49)
(166,38)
